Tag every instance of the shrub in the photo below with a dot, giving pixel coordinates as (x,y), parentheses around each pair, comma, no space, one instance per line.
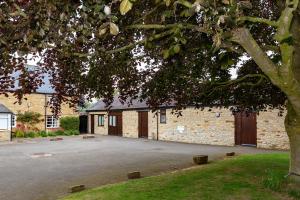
(69,123)
(43,134)
(29,119)
(30,134)
(59,132)
(20,134)
(72,132)
(51,134)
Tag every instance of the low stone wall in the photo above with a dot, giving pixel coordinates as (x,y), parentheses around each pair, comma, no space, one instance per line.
(4,135)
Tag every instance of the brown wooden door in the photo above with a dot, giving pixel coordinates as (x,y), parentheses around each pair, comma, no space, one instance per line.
(245,129)
(115,123)
(92,124)
(143,124)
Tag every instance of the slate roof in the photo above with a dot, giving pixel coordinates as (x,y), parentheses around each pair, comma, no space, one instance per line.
(46,88)
(4,109)
(117,105)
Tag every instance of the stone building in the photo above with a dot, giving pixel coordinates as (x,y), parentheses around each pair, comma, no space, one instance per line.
(5,123)
(208,126)
(36,102)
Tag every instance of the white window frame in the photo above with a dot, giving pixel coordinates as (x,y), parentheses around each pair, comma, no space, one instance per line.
(113,120)
(52,122)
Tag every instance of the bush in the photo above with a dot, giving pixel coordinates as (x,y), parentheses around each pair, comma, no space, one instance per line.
(20,134)
(59,132)
(30,134)
(43,134)
(69,123)
(51,134)
(71,132)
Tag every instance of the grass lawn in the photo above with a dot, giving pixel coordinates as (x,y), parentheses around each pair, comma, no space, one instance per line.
(244,177)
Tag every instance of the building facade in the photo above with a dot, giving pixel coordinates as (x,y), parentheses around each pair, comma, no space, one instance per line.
(208,126)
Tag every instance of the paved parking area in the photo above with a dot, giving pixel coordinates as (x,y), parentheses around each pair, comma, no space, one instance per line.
(41,169)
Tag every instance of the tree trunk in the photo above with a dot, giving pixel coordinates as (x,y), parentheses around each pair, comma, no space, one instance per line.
(292,125)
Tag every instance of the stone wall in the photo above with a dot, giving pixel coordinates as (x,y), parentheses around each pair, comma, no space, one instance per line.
(4,135)
(201,127)
(271,132)
(36,103)
(130,124)
(101,130)
(210,126)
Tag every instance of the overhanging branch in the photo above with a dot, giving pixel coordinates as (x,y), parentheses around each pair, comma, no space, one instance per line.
(132,45)
(258,20)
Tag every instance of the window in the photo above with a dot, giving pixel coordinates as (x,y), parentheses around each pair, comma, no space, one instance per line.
(112,120)
(48,97)
(100,120)
(13,121)
(52,122)
(163,116)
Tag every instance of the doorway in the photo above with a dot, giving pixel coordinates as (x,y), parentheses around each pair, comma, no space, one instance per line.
(245,129)
(143,124)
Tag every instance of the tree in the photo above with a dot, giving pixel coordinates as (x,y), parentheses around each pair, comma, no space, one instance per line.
(186,49)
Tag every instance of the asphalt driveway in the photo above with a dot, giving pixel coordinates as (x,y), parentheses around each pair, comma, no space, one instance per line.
(41,169)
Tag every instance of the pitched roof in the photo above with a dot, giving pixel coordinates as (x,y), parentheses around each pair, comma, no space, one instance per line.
(117,105)
(45,88)
(4,109)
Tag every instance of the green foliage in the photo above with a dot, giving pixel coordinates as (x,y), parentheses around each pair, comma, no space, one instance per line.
(20,134)
(72,132)
(51,134)
(59,132)
(29,119)
(69,123)
(237,178)
(30,134)
(274,180)
(43,134)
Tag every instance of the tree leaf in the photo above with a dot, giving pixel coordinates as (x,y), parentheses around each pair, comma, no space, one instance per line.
(176,48)
(114,29)
(125,6)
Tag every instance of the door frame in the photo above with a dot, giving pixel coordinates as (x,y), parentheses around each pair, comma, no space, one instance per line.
(118,129)
(92,124)
(238,128)
(143,117)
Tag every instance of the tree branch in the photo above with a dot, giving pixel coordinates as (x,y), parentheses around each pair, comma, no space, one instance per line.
(170,26)
(132,45)
(258,20)
(243,37)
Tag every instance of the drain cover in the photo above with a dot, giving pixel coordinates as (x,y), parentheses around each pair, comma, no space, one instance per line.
(39,155)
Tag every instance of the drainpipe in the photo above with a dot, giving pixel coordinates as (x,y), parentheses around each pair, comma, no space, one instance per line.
(157,133)
(11,126)
(45,112)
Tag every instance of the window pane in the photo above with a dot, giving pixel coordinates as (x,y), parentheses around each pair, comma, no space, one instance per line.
(163,116)
(114,121)
(100,120)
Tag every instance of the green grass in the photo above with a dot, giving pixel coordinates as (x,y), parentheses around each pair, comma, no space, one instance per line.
(245,177)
